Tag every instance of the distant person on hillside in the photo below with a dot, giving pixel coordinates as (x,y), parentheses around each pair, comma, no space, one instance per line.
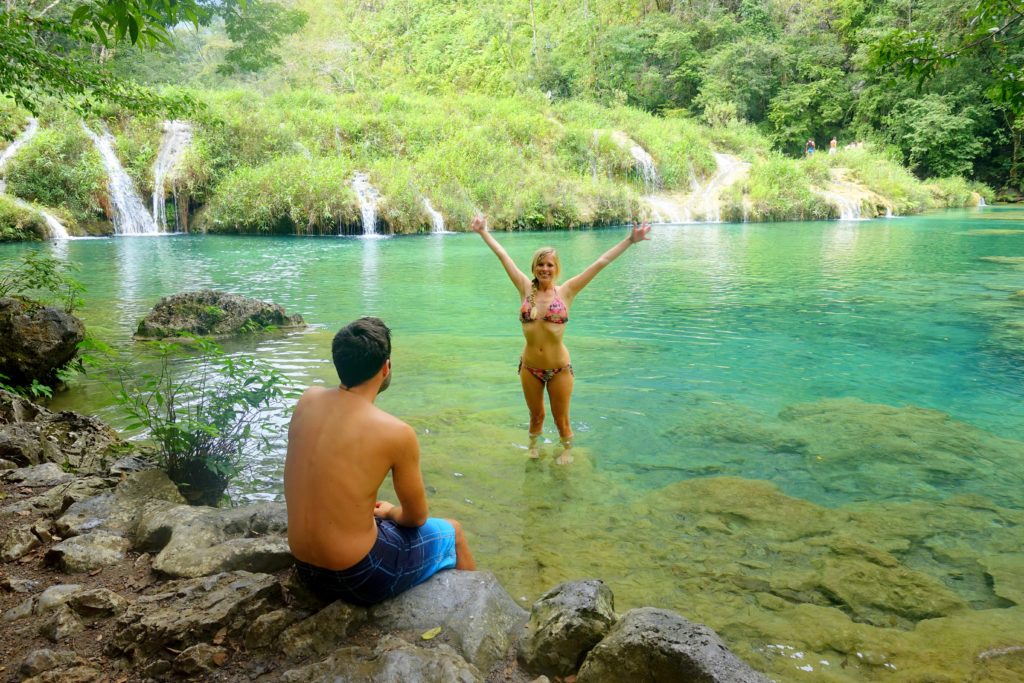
(545,362)
(346,543)
(809,150)
(833,146)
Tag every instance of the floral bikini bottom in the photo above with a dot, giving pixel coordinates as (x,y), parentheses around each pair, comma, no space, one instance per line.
(544,376)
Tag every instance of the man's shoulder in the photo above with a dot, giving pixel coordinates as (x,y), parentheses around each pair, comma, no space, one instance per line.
(393,425)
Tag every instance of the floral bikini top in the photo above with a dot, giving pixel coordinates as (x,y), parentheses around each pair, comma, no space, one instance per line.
(557,312)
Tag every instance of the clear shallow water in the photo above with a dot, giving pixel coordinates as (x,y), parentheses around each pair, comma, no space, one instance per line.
(871,371)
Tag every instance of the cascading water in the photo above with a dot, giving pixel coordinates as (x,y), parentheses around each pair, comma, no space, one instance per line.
(436,219)
(981,201)
(130,215)
(19,142)
(57,229)
(177,136)
(368,197)
(726,166)
(849,209)
(646,168)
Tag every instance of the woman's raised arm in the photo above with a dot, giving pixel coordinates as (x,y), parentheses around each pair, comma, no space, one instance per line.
(573,285)
(518,277)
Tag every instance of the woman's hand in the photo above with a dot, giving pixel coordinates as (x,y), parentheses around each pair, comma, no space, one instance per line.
(479,224)
(640,233)
(382,508)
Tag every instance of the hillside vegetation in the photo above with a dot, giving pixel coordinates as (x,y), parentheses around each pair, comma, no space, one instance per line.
(529,111)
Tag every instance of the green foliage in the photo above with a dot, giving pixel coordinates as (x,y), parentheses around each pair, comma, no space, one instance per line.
(938,141)
(59,167)
(205,413)
(19,222)
(777,190)
(886,177)
(256,33)
(35,391)
(40,277)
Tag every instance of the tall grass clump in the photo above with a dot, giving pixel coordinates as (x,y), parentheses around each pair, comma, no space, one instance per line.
(956,192)
(777,190)
(292,194)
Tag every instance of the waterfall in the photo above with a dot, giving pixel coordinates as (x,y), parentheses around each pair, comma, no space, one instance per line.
(130,215)
(435,217)
(368,197)
(665,210)
(19,142)
(177,135)
(888,212)
(981,200)
(849,209)
(57,229)
(726,166)
(645,167)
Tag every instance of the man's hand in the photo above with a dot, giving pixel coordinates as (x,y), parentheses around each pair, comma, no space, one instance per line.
(382,509)
(479,223)
(640,233)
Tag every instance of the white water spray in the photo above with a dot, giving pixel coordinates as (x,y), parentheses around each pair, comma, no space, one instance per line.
(981,201)
(646,168)
(368,197)
(56,228)
(849,209)
(436,219)
(19,142)
(130,215)
(177,136)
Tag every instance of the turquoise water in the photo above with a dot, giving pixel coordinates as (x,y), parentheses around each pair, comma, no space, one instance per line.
(868,370)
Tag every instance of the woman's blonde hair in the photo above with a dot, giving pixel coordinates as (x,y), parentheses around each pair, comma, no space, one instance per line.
(541,253)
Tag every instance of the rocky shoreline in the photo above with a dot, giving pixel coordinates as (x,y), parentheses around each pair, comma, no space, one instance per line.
(108,575)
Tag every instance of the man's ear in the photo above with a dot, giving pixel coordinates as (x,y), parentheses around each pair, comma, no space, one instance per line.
(387,367)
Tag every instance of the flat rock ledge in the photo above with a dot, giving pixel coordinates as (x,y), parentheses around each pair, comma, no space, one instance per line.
(211,313)
(213,598)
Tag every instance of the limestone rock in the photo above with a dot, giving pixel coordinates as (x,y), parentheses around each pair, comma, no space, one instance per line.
(75,674)
(477,616)
(17,543)
(61,624)
(211,313)
(46,474)
(250,537)
(97,603)
(192,611)
(45,659)
(200,658)
(268,627)
(391,660)
(322,632)
(87,552)
(13,585)
(36,341)
(55,596)
(31,435)
(565,624)
(650,644)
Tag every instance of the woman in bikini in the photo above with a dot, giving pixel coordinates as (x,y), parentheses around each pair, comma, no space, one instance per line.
(544,313)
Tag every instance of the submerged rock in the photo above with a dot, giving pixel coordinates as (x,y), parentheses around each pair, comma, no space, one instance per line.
(36,341)
(210,313)
(650,644)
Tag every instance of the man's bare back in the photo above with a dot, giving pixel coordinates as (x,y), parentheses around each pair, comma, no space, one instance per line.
(347,544)
(340,449)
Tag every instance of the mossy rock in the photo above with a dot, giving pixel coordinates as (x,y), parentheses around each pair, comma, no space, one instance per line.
(210,313)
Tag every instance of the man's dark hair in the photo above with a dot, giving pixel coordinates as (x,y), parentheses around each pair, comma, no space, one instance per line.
(360,350)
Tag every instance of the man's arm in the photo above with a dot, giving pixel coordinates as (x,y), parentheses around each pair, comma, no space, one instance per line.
(412,506)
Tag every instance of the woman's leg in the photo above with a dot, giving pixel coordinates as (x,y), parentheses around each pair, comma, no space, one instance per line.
(559,395)
(533,392)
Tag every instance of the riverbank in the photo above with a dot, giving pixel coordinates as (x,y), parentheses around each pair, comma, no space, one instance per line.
(107,575)
(311,162)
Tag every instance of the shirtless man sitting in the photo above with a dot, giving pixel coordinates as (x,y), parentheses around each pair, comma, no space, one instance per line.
(346,543)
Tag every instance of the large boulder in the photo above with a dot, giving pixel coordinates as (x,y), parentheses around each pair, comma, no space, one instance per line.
(565,624)
(36,341)
(476,615)
(650,645)
(210,313)
(392,659)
